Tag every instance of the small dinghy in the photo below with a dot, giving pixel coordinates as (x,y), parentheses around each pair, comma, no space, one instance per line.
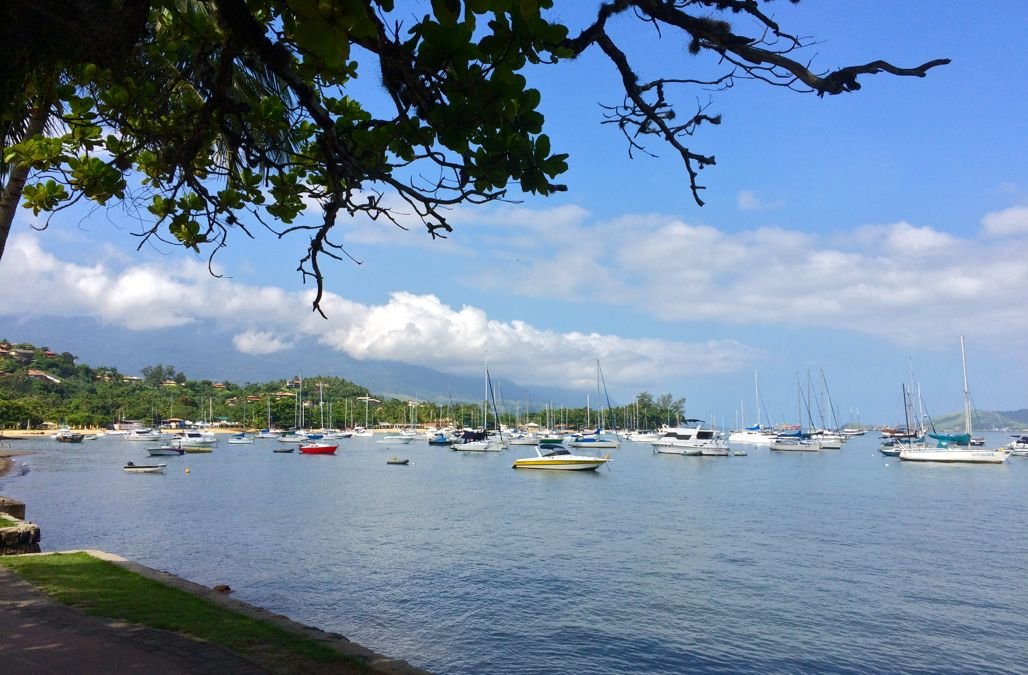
(397,460)
(283,450)
(145,468)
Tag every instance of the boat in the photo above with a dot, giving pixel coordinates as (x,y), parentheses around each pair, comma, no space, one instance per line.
(944,451)
(642,436)
(757,434)
(364,431)
(401,439)
(475,441)
(165,451)
(799,443)
(690,439)
(398,461)
(555,457)
(240,439)
(798,440)
(315,448)
(595,440)
(283,450)
(440,438)
(145,434)
(197,449)
(1019,446)
(144,468)
(68,436)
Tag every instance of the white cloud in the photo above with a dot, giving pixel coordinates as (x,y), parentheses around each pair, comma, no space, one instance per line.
(259,342)
(1012,222)
(747,200)
(908,284)
(408,327)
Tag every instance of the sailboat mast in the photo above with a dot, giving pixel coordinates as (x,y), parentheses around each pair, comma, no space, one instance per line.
(967,395)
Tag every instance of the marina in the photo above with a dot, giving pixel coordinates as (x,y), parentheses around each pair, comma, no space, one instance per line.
(763,562)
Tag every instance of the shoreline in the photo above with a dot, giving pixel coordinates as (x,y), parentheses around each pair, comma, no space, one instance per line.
(368,660)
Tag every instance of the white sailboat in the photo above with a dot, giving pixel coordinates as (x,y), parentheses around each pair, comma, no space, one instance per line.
(756,434)
(945,453)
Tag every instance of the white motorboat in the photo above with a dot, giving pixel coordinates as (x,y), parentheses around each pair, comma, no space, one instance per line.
(240,439)
(756,435)
(396,439)
(144,468)
(145,434)
(687,440)
(192,437)
(556,457)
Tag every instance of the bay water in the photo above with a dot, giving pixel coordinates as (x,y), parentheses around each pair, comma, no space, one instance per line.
(842,561)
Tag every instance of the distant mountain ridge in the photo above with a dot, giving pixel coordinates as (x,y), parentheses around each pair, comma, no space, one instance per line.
(199,356)
(985,420)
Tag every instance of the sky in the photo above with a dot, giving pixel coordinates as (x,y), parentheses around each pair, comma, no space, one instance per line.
(847,241)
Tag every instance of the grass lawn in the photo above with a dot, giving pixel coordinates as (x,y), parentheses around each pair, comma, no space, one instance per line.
(104,589)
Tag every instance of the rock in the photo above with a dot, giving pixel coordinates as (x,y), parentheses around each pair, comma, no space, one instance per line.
(222,588)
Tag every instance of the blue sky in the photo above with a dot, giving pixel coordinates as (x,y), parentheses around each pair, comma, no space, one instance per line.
(859,235)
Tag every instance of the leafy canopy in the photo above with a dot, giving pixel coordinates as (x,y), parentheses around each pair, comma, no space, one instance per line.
(218,117)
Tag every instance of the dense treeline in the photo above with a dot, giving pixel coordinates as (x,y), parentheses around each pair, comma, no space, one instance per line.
(39,386)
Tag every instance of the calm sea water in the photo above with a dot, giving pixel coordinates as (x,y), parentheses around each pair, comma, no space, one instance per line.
(836,562)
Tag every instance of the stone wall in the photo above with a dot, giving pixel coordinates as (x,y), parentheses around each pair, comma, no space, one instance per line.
(21,538)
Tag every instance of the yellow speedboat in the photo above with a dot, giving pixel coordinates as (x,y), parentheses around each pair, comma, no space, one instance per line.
(555,456)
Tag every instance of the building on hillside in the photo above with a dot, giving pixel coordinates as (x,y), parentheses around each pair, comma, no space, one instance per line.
(40,375)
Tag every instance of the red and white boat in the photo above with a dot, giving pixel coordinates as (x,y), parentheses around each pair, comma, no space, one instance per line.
(318,449)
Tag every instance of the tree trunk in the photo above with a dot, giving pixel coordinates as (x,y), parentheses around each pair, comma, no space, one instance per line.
(11,194)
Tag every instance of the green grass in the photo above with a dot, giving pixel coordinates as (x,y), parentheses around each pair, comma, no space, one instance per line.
(104,589)
(7,522)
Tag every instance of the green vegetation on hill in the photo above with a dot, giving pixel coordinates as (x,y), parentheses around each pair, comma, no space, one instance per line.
(38,385)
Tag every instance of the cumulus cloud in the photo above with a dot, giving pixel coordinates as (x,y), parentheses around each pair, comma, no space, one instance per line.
(1012,222)
(259,342)
(408,327)
(909,284)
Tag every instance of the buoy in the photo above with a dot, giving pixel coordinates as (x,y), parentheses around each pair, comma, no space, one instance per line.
(187,469)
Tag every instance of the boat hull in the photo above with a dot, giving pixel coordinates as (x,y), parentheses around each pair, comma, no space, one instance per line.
(954,456)
(318,449)
(145,468)
(565,464)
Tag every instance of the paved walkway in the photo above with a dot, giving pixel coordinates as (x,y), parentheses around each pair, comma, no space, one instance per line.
(40,635)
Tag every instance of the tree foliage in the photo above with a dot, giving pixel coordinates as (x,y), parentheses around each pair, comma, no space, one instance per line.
(213,119)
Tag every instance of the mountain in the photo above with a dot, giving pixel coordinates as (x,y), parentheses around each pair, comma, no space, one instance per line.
(985,420)
(207,354)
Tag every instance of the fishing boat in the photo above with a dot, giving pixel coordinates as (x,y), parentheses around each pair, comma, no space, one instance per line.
(318,448)
(398,461)
(68,436)
(165,451)
(554,456)
(943,451)
(145,468)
